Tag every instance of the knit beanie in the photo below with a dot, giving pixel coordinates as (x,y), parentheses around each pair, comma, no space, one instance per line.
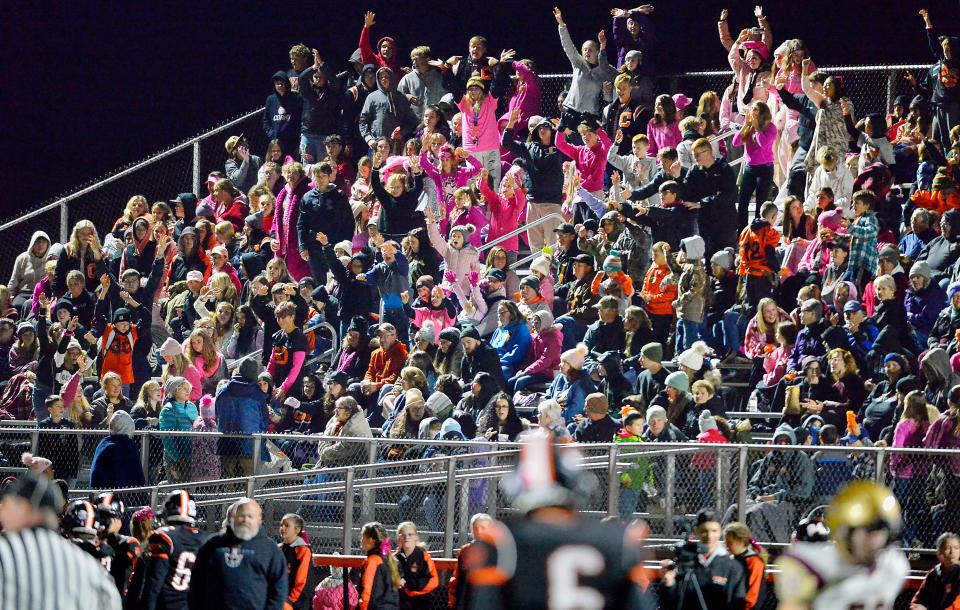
(343,246)
(541,264)
(656,412)
(426,333)
(724,258)
(171,347)
(476,81)
(532,282)
(575,357)
(249,369)
(612,263)
(207,409)
(450,334)
(952,289)
(440,405)
(679,381)
(470,333)
(706,421)
(413,397)
(693,357)
(170,388)
(831,219)
(652,351)
(596,403)
(465,230)
(921,268)
(121,423)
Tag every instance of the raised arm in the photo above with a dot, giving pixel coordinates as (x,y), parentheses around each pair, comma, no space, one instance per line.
(367,54)
(815,96)
(576,60)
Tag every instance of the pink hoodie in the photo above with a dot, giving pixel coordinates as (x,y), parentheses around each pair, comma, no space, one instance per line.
(543,357)
(481,126)
(504,214)
(590,162)
(528,100)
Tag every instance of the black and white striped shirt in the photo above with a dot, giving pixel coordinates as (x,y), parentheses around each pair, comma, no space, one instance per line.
(39,570)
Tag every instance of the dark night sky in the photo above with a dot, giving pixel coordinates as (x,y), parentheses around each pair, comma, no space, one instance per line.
(92,86)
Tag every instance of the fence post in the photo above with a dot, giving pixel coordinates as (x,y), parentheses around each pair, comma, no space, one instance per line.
(257,445)
(742,486)
(492,486)
(451,507)
(669,494)
(35,440)
(892,77)
(153,497)
(367,494)
(145,452)
(64,222)
(197,178)
(879,474)
(718,484)
(348,512)
(464,509)
(613,495)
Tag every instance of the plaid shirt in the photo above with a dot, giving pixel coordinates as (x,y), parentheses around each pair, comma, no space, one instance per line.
(863,245)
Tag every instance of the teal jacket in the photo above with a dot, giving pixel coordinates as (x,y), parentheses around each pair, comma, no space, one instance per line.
(178,416)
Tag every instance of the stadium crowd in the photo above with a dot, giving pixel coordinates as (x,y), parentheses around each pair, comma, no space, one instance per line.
(825,266)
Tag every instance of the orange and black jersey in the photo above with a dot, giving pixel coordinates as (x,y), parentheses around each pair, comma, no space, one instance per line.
(125,551)
(101,552)
(301,574)
(161,576)
(420,578)
(284,347)
(758,249)
(537,562)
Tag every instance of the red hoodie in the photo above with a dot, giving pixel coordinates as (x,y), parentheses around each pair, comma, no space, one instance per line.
(707,460)
(369,56)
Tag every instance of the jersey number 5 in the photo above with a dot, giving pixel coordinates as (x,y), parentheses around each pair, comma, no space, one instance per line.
(564,567)
(181,576)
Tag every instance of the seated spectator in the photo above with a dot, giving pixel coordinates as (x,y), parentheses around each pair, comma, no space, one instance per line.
(385,364)
(579,309)
(606,334)
(479,397)
(348,421)
(942,252)
(480,357)
(543,357)
(924,301)
(550,418)
(595,425)
(571,387)
(499,420)
(678,403)
(921,233)
(809,339)
(613,385)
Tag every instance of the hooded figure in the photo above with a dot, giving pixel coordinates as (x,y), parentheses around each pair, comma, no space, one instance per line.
(140,254)
(283,114)
(28,268)
(193,260)
(942,252)
(116,461)
(936,371)
(385,110)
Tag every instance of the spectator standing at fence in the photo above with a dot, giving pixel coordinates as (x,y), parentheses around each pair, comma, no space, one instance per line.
(241,568)
(177,415)
(946,88)
(116,461)
(63,449)
(241,409)
(944,433)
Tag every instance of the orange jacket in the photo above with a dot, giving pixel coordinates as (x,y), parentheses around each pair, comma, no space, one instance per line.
(659,298)
(938,201)
(385,366)
(621,278)
(755,575)
(754,243)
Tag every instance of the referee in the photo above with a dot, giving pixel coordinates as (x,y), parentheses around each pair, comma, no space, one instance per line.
(40,570)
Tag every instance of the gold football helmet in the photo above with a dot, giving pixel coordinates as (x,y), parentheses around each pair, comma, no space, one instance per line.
(862,504)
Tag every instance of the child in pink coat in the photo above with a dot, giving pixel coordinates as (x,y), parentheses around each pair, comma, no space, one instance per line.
(460,257)
(504,209)
(329,593)
(438,314)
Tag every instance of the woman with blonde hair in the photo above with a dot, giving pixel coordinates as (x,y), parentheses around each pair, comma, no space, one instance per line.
(83,253)
(848,390)
(286,243)
(201,350)
(497,258)
(136,207)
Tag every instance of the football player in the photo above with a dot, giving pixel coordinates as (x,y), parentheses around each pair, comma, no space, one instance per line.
(161,577)
(553,557)
(81,525)
(860,568)
(125,549)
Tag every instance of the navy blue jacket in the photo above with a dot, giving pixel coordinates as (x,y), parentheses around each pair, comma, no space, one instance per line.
(241,409)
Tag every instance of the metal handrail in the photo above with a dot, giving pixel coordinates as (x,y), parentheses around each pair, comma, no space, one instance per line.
(823,68)
(522,229)
(127,171)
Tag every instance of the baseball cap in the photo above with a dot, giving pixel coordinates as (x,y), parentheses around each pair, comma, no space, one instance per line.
(852,307)
(566,228)
(497,275)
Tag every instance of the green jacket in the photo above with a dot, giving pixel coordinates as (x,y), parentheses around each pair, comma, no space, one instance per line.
(638,472)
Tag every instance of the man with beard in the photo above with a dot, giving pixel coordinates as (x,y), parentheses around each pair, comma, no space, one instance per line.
(240,568)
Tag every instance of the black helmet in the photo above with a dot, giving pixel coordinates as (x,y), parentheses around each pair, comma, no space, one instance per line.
(80,518)
(547,475)
(179,507)
(108,506)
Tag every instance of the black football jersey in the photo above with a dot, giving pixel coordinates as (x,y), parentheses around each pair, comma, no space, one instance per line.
(565,565)
(101,552)
(125,550)
(161,577)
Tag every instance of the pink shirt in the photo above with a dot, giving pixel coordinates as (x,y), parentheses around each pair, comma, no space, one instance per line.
(481,126)
(662,136)
(758,146)
(590,162)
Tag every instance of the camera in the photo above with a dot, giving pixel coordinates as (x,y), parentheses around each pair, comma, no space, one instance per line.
(687,553)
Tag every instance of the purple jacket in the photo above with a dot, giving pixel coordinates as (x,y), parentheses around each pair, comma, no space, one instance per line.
(809,343)
(906,466)
(940,436)
(626,43)
(924,307)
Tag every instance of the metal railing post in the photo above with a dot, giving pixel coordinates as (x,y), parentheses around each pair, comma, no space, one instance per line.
(718,484)
(492,487)
(348,511)
(879,476)
(613,482)
(449,517)
(464,510)
(34,440)
(64,222)
(742,485)
(257,445)
(154,501)
(197,178)
(668,498)
(368,494)
(145,453)
(892,77)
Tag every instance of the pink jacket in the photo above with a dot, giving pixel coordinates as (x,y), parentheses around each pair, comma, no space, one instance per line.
(440,318)
(461,262)
(528,100)
(195,377)
(543,357)
(775,364)
(707,460)
(285,228)
(909,433)
(229,270)
(482,126)
(759,146)
(448,183)
(590,162)
(754,340)
(662,136)
(504,214)
(202,374)
(331,597)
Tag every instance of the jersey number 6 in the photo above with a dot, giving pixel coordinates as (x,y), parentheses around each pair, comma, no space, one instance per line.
(564,567)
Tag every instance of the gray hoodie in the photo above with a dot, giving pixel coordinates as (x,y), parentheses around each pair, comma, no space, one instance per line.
(386,109)
(586,85)
(28,269)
